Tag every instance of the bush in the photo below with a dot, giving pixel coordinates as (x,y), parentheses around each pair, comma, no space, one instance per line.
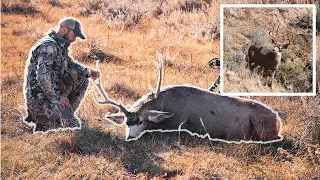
(293,77)
(55,3)
(93,7)
(126,14)
(304,22)
(211,30)
(190,5)
(312,131)
(18,7)
(311,121)
(119,14)
(239,58)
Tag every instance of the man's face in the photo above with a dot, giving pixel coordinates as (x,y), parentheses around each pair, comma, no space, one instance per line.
(70,36)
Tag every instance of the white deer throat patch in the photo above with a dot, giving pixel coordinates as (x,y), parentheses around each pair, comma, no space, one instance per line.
(135,130)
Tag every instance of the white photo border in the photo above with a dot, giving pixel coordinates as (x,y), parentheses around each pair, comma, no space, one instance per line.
(313,93)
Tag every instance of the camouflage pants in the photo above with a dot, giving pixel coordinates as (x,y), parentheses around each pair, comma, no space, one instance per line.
(48,116)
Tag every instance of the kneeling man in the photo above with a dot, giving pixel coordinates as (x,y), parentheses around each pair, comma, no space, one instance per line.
(55,84)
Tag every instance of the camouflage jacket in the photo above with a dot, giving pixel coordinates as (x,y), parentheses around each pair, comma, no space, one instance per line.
(47,61)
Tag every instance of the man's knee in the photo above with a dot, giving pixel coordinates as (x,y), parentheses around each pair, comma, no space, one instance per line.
(85,83)
(81,84)
(77,94)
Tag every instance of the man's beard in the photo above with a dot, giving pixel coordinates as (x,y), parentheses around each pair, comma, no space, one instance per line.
(66,38)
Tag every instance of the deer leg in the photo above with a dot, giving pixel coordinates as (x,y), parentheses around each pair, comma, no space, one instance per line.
(260,70)
(272,77)
(265,76)
(251,66)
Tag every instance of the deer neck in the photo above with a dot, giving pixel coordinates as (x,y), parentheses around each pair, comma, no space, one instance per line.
(277,56)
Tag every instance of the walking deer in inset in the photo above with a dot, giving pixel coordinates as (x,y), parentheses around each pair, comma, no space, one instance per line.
(269,60)
(197,111)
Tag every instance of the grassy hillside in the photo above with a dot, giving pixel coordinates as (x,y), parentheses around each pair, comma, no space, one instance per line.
(126,35)
(244,27)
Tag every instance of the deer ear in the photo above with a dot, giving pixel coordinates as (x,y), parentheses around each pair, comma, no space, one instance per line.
(117,118)
(156,116)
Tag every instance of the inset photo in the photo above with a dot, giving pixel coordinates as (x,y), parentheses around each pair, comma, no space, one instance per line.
(268,50)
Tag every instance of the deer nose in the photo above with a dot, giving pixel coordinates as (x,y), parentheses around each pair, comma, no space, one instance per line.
(130,137)
(278,137)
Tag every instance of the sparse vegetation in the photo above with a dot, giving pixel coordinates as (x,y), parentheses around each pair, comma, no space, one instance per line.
(18,7)
(99,151)
(248,26)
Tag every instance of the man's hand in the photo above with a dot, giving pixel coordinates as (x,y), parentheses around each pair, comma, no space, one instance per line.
(64,102)
(94,74)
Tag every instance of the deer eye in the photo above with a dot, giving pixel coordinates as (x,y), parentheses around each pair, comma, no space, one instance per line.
(140,122)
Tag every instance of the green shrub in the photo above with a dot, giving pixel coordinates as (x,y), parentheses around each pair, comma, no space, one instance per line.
(293,76)
(19,7)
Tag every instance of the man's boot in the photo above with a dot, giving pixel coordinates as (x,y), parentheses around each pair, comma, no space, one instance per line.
(29,118)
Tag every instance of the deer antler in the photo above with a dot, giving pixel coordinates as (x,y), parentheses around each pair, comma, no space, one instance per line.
(285,39)
(107,100)
(272,37)
(154,94)
(159,66)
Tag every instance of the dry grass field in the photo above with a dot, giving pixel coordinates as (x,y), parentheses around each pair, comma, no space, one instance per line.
(126,35)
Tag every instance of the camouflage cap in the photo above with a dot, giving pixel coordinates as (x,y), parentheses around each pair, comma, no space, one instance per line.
(73,24)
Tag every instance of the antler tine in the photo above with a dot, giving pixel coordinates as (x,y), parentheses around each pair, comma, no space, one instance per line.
(151,89)
(107,100)
(155,94)
(272,37)
(159,66)
(277,34)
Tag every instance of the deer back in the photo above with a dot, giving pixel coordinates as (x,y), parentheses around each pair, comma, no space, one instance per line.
(202,112)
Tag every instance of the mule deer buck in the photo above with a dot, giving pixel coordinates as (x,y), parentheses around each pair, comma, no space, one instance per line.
(269,60)
(196,111)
